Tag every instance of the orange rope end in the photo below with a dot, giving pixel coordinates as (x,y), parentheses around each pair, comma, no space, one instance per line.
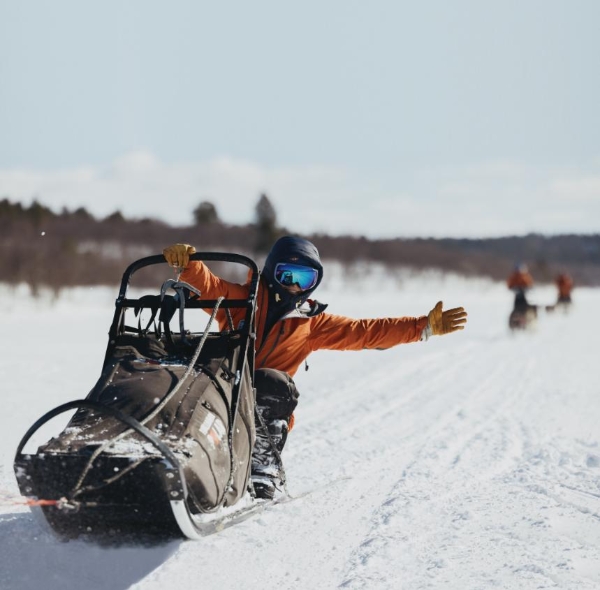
(33,502)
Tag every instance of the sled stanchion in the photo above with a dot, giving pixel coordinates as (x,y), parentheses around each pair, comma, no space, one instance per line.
(204,256)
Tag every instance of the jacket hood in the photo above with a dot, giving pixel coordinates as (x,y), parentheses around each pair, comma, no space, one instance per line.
(280,301)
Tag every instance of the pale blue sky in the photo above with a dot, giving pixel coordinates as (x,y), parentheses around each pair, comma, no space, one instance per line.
(459,118)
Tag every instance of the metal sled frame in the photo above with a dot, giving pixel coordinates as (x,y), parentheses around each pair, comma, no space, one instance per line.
(247,331)
(173,490)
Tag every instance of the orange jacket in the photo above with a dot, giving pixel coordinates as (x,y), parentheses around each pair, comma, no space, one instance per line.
(519,280)
(565,285)
(295,336)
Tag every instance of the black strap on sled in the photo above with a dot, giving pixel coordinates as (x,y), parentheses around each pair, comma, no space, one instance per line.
(167,306)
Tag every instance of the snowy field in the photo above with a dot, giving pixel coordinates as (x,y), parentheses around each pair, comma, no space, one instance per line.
(468,462)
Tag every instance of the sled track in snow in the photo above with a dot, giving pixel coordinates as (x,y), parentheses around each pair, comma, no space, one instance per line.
(454,454)
(463,466)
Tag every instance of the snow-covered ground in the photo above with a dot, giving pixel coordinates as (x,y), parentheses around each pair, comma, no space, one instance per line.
(471,461)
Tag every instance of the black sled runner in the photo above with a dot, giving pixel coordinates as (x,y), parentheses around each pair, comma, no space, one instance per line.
(162,444)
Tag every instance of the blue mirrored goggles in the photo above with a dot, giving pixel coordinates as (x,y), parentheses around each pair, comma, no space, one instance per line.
(288,275)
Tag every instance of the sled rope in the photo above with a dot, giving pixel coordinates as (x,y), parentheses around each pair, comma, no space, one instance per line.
(8,499)
(78,486)
(39,502)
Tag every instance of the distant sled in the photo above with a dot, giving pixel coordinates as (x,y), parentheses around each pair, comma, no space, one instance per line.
(563,305)
(524,315)
(523,318)
(162,444)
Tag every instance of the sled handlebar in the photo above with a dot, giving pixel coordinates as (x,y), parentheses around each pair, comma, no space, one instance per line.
(204,256)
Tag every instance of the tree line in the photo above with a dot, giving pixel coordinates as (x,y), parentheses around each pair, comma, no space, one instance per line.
(43,248)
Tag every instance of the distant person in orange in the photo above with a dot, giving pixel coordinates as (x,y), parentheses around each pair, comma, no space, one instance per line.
(520,281)
(564,284)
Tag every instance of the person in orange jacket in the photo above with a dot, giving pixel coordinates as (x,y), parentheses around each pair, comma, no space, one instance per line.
(520,281)
(564,284)
(289,326)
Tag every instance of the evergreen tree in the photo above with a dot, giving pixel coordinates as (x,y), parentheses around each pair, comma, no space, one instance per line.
(205,213)
(116,217)
(265,224)
(38,213)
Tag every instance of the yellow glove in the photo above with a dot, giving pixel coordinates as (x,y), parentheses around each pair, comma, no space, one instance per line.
(178,255)
(444,322)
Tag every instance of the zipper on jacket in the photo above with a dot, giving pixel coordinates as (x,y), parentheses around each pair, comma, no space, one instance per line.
(281,330)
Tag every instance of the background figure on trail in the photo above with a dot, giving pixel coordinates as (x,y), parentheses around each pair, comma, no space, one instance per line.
(520,281)
(564,284)
(289,326)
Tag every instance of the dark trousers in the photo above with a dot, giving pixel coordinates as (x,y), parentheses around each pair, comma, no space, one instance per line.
(276,400)
(521,303)
(276,394)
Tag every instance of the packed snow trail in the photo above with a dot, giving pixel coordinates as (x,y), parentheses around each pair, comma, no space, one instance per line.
(470,461)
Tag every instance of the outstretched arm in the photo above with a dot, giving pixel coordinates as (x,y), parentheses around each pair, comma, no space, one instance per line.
(335,332)
(341,333)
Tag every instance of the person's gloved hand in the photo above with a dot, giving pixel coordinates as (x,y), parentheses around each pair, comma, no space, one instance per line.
(444,322)
(178,255)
